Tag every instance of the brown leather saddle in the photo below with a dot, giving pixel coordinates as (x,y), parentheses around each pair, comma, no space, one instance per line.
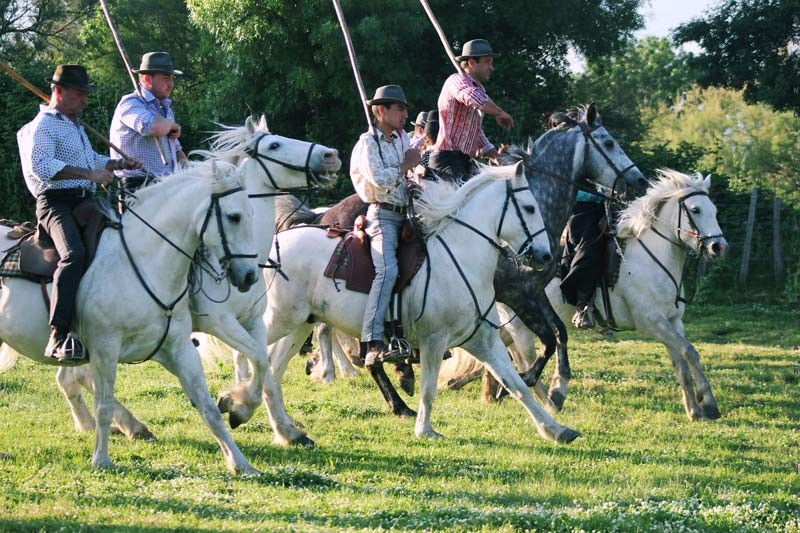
(34,255)
(351,261)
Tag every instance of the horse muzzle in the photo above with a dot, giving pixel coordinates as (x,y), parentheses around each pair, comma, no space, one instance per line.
(536,257)
(716,248)
(243,274)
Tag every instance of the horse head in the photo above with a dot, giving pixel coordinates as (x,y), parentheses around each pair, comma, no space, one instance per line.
(604,161)
(287,163)
(703,233)
(226,226)
(521,224)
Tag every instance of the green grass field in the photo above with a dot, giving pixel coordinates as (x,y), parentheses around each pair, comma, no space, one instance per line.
(639,465)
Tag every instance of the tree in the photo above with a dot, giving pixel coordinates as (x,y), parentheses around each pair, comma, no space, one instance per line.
(630,86)
(751,45)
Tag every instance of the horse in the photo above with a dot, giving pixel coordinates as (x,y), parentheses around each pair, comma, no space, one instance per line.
(449,304)
(657,233)
(575,149)
(147,317)
(269,164)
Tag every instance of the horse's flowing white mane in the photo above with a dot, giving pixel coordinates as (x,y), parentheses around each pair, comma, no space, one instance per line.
(230,143)
(440,199)
(221,175)
(640,215)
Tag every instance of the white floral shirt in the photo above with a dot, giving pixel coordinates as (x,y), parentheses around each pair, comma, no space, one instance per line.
(375,167)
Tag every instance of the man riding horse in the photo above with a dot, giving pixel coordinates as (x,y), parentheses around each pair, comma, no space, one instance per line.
(61,170)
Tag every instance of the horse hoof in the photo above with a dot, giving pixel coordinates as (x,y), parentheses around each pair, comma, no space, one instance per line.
(557,400)
(309,366)
(145,435)
(568,435)
(711,412)
(224,403)
(406,382)
(405,412)
(236,419)
(303,441)
(501,393)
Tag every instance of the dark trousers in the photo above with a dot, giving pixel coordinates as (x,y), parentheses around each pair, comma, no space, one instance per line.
(584,253)
(451,165)
(54,213)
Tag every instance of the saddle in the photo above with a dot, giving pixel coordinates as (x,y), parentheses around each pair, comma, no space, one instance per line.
(28,252)
(351,260)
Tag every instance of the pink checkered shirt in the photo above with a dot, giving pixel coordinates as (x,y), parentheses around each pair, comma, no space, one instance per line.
(459,120)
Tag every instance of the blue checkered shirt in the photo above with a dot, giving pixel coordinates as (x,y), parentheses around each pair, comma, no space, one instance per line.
(50,142)
(130,131)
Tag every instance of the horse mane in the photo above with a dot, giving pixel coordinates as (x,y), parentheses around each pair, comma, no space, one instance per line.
(231,142)
(221,174)
(641,213)
(441,199)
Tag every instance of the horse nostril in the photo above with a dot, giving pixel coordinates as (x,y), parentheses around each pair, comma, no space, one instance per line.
(715,248)
(250,278)
(329,155)
(546,258)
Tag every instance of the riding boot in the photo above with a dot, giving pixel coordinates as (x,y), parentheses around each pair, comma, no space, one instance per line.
(64,347)
(379,353)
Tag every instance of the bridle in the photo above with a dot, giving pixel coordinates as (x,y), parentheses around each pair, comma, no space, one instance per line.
(213,208)
(258,157)
(695,251)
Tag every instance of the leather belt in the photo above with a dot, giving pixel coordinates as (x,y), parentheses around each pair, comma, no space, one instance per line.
(391,207)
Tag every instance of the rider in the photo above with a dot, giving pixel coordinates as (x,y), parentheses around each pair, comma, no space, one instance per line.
(417,136)
(584,257)
(378,166)
(61,170)
(141,122)
(462,104)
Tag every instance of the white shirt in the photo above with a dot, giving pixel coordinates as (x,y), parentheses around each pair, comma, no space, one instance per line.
(375,167)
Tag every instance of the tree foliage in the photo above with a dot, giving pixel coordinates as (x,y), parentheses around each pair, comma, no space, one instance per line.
(751,45)
(754,145)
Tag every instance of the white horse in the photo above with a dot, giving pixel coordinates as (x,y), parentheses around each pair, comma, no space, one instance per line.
(268,163)
(657,231)
(454,307)
(132,304)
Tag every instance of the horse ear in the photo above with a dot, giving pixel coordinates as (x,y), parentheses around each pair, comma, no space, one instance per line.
(519,170)
(262,123)
(707,183)
(249,124)
(591,114)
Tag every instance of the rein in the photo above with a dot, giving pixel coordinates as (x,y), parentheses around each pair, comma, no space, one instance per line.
(258,157)
(215,208)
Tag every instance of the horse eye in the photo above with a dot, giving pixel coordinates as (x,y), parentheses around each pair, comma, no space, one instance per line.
(529,209)
(609,144)
(695,209)
(234,218)
(274,146)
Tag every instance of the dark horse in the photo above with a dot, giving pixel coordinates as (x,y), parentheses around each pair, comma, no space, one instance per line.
(576,149)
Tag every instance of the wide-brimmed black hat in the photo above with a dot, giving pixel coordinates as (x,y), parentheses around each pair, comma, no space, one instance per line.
(157,62)
(476,48)
(388,94)
(422,118)
(73,76)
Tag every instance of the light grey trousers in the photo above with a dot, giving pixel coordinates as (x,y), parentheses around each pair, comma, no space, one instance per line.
(383,228)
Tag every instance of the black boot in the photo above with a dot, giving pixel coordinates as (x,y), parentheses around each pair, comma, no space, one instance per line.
(64,347)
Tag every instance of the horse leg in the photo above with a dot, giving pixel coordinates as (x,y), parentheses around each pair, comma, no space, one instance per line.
(703,394)
(323,371)
(396,403)
(560,380)
(104,375)
(346,367)
(184,363)
(70,379)
(68,384)
(677,347)
(241,367)
(430,362)
(280,353)
(498,363)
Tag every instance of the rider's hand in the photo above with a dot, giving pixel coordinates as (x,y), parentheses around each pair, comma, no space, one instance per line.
(504,120)
(411,159)
(101,176)
(174,131)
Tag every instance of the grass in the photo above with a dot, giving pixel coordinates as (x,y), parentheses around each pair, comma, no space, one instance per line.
(638,466)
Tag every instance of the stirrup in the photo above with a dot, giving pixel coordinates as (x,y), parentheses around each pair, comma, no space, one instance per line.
(69,351)
(401,346)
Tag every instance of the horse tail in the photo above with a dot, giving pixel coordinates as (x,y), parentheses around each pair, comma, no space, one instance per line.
(290,211)
(8,357)
(212,350)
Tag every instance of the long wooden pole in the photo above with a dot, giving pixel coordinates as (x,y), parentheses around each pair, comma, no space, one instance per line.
(353,62)
(442,36)
(35,90)
(128,69)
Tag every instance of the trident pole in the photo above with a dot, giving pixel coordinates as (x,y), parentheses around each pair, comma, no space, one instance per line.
(124,54)
(32,88)
(442,36)
(353,62)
